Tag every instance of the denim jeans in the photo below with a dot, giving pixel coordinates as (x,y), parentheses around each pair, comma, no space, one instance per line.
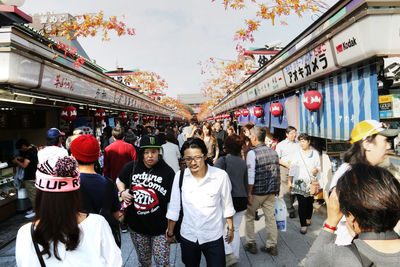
(213,252)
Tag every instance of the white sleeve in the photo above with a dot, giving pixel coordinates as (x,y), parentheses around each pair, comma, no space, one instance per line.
(174,205)
(251,166)
(25,254)
(279,150)
(227,203)
(109,249)
(178,153)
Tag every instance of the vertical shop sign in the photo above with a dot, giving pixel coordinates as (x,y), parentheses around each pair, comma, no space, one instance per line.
(385,106)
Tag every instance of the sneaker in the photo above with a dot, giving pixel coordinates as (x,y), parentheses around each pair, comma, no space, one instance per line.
(271,250)
(231,260)
(124,228)
(251,247)
(31,215)
(292,215)
(29,212)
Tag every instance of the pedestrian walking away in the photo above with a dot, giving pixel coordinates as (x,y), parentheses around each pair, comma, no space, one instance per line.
(145,187)
(236,168)
(264,183)
(205,198)
(287,149)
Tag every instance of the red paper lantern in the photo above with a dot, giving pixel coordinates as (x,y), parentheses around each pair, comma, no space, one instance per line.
(99,114)
(123,116)
(227,116)
(312,100)
(237,113)
(145,117)
(258,112)
(276,109)
(245,112)
(135,117)
(151,117)
(68,113)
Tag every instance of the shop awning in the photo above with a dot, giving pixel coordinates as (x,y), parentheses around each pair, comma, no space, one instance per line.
(348,97)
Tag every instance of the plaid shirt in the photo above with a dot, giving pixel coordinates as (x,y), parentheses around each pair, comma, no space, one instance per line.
(267,177)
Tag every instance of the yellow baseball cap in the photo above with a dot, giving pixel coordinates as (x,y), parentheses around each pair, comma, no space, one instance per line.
(370,127)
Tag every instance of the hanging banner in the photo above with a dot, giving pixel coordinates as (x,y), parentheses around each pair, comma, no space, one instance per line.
(348,97)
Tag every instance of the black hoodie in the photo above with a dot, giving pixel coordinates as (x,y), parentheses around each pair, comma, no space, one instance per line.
(151,190)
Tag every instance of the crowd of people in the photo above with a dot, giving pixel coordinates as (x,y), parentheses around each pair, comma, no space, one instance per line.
(194,185)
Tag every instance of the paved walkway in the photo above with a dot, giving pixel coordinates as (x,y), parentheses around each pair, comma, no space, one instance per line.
(292,246)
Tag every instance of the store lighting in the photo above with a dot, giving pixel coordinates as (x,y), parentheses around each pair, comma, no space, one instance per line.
(28,95)
(16,101)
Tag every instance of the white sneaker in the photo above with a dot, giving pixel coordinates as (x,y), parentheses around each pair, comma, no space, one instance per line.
(31,215)
(29,212)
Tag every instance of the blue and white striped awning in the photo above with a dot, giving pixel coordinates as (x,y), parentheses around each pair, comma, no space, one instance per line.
(349,97)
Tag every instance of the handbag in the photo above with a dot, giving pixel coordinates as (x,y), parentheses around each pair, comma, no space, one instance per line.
(35,244)
(314,186)
(178,224)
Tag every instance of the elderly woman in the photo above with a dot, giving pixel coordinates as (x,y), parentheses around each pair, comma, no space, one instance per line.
(304,171)
(369,198)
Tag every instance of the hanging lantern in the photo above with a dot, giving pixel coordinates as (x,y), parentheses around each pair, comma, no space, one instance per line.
(68,113)
(258,112)
(276,109)
(145,117)
(151,117)
(99,114)
(312,100)
(135,117)
(123,116)
(245,112)
(237,113)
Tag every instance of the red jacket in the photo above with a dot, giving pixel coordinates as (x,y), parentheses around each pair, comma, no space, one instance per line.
(116,156)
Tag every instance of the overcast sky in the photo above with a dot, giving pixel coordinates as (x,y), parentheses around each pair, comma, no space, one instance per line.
(172,36)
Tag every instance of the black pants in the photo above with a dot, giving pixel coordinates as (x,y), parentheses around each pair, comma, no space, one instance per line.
(213,251)
(305,208)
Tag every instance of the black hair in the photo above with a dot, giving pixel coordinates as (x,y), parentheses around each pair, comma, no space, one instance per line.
(356,152)
(193,121)
(233,144)
(21,142)
(194,143)
(372,195)
(85,163)
(53,141)
(289,129)
(304,136)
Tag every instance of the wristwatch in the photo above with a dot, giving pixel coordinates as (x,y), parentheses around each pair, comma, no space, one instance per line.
(230,229)
(120,193)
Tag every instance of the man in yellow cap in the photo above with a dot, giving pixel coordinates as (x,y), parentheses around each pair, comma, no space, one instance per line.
(369,145)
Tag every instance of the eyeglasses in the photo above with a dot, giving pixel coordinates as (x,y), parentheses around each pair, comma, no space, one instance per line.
(196,158)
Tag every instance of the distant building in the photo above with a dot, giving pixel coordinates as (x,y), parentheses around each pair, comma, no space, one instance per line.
(193,100)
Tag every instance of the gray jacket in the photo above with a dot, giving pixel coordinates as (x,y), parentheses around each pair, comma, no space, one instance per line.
(325,253)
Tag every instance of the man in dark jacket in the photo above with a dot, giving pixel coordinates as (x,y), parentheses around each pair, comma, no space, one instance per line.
(264,183)
(220,135)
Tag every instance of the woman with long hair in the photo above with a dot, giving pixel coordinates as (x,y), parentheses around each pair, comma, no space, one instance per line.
(62,234)
(369,145)
(211,143)
(245,135)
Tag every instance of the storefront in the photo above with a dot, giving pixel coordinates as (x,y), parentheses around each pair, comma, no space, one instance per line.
(346,56)
(41,88)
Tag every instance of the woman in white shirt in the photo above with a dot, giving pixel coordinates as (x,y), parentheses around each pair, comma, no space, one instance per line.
(206,200)
(304,169)
(60,235)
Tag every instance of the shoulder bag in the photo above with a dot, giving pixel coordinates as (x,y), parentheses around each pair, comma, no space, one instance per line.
(178,224)
(314,186)
(35,244)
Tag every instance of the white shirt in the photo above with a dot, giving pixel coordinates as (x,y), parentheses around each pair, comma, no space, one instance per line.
(186,132)
(286,150)
(171,155)
(96,248)
(205,203)
(251,166)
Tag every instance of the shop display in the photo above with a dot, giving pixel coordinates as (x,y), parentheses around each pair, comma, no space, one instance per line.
(8,193)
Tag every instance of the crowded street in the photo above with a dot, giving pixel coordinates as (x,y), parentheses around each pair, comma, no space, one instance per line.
(218,133)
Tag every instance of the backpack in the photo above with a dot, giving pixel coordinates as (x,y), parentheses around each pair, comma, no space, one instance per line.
(105,210)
